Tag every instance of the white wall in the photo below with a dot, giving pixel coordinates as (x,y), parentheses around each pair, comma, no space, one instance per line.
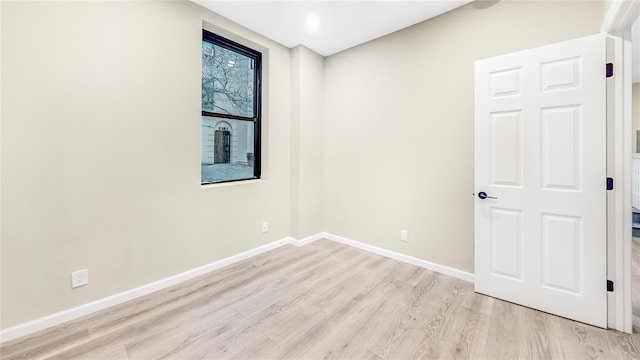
(399,123)
(101,152)
(635,113)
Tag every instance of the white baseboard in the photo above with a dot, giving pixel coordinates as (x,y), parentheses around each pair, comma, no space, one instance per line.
(101,304)
(310,239)
(463,275)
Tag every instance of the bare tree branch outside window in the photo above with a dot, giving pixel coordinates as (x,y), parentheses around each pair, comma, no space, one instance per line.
(227,81)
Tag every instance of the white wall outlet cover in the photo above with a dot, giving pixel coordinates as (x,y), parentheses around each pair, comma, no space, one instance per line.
(404,235)
(265,227)
(79,278)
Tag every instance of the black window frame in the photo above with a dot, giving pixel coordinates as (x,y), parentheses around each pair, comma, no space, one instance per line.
(257,103)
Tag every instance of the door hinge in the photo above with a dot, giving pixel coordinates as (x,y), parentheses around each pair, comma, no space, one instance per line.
(609,70)
(609,183)
(609,285)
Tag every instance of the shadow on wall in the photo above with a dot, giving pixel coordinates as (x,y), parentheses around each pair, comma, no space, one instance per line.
(484,4)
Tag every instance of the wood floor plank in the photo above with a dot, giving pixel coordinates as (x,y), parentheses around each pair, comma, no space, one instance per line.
(343,341)
(579,341)
(470,329)
(445,323)
(362,353)
(391,333)
(94,350)
(384,320)
(625,345)
(505,329)
(477,349)
(262,349)
(345,309)
(535,344)
(192,340)
(246,331)
(439,323)
(46,342)
(324,300)
(336,275)
(193,328)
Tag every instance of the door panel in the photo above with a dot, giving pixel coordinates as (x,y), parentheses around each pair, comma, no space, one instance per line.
(506,148)
(506,83)
(562,74)
(561,148)
(541,153)
(562,253)
(506,243)
(227,147)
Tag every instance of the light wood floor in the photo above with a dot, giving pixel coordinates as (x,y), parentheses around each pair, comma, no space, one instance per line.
(323,300)
(635,284)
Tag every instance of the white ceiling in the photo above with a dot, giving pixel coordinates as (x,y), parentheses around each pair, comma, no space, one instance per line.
(328,27)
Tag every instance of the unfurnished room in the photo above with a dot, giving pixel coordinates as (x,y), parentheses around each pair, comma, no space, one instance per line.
(432,179)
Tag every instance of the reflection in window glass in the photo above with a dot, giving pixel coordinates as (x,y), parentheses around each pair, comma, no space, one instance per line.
(227,81)
(227,149)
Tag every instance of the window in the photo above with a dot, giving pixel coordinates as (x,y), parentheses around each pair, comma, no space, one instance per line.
(231,75)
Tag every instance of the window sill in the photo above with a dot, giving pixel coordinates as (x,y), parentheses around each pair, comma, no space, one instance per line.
(232,183)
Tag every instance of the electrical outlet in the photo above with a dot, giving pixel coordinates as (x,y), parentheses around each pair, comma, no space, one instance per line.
(404,235)
(265,227)
(79,278)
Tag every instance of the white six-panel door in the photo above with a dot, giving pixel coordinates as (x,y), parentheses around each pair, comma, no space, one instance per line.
(540,150)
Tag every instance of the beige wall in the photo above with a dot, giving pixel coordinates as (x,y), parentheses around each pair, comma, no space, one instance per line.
(101,152)
(100,146)
(635,114)
(307,142)
(399,123)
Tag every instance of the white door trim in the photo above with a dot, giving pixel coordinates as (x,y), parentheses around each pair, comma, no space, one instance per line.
(620,16)
(618,21)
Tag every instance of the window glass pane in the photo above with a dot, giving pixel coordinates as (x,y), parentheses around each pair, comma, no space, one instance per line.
(227,149)
(227,81)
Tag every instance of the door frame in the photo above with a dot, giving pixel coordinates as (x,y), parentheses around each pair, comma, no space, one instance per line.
(617,23)
(222,147)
